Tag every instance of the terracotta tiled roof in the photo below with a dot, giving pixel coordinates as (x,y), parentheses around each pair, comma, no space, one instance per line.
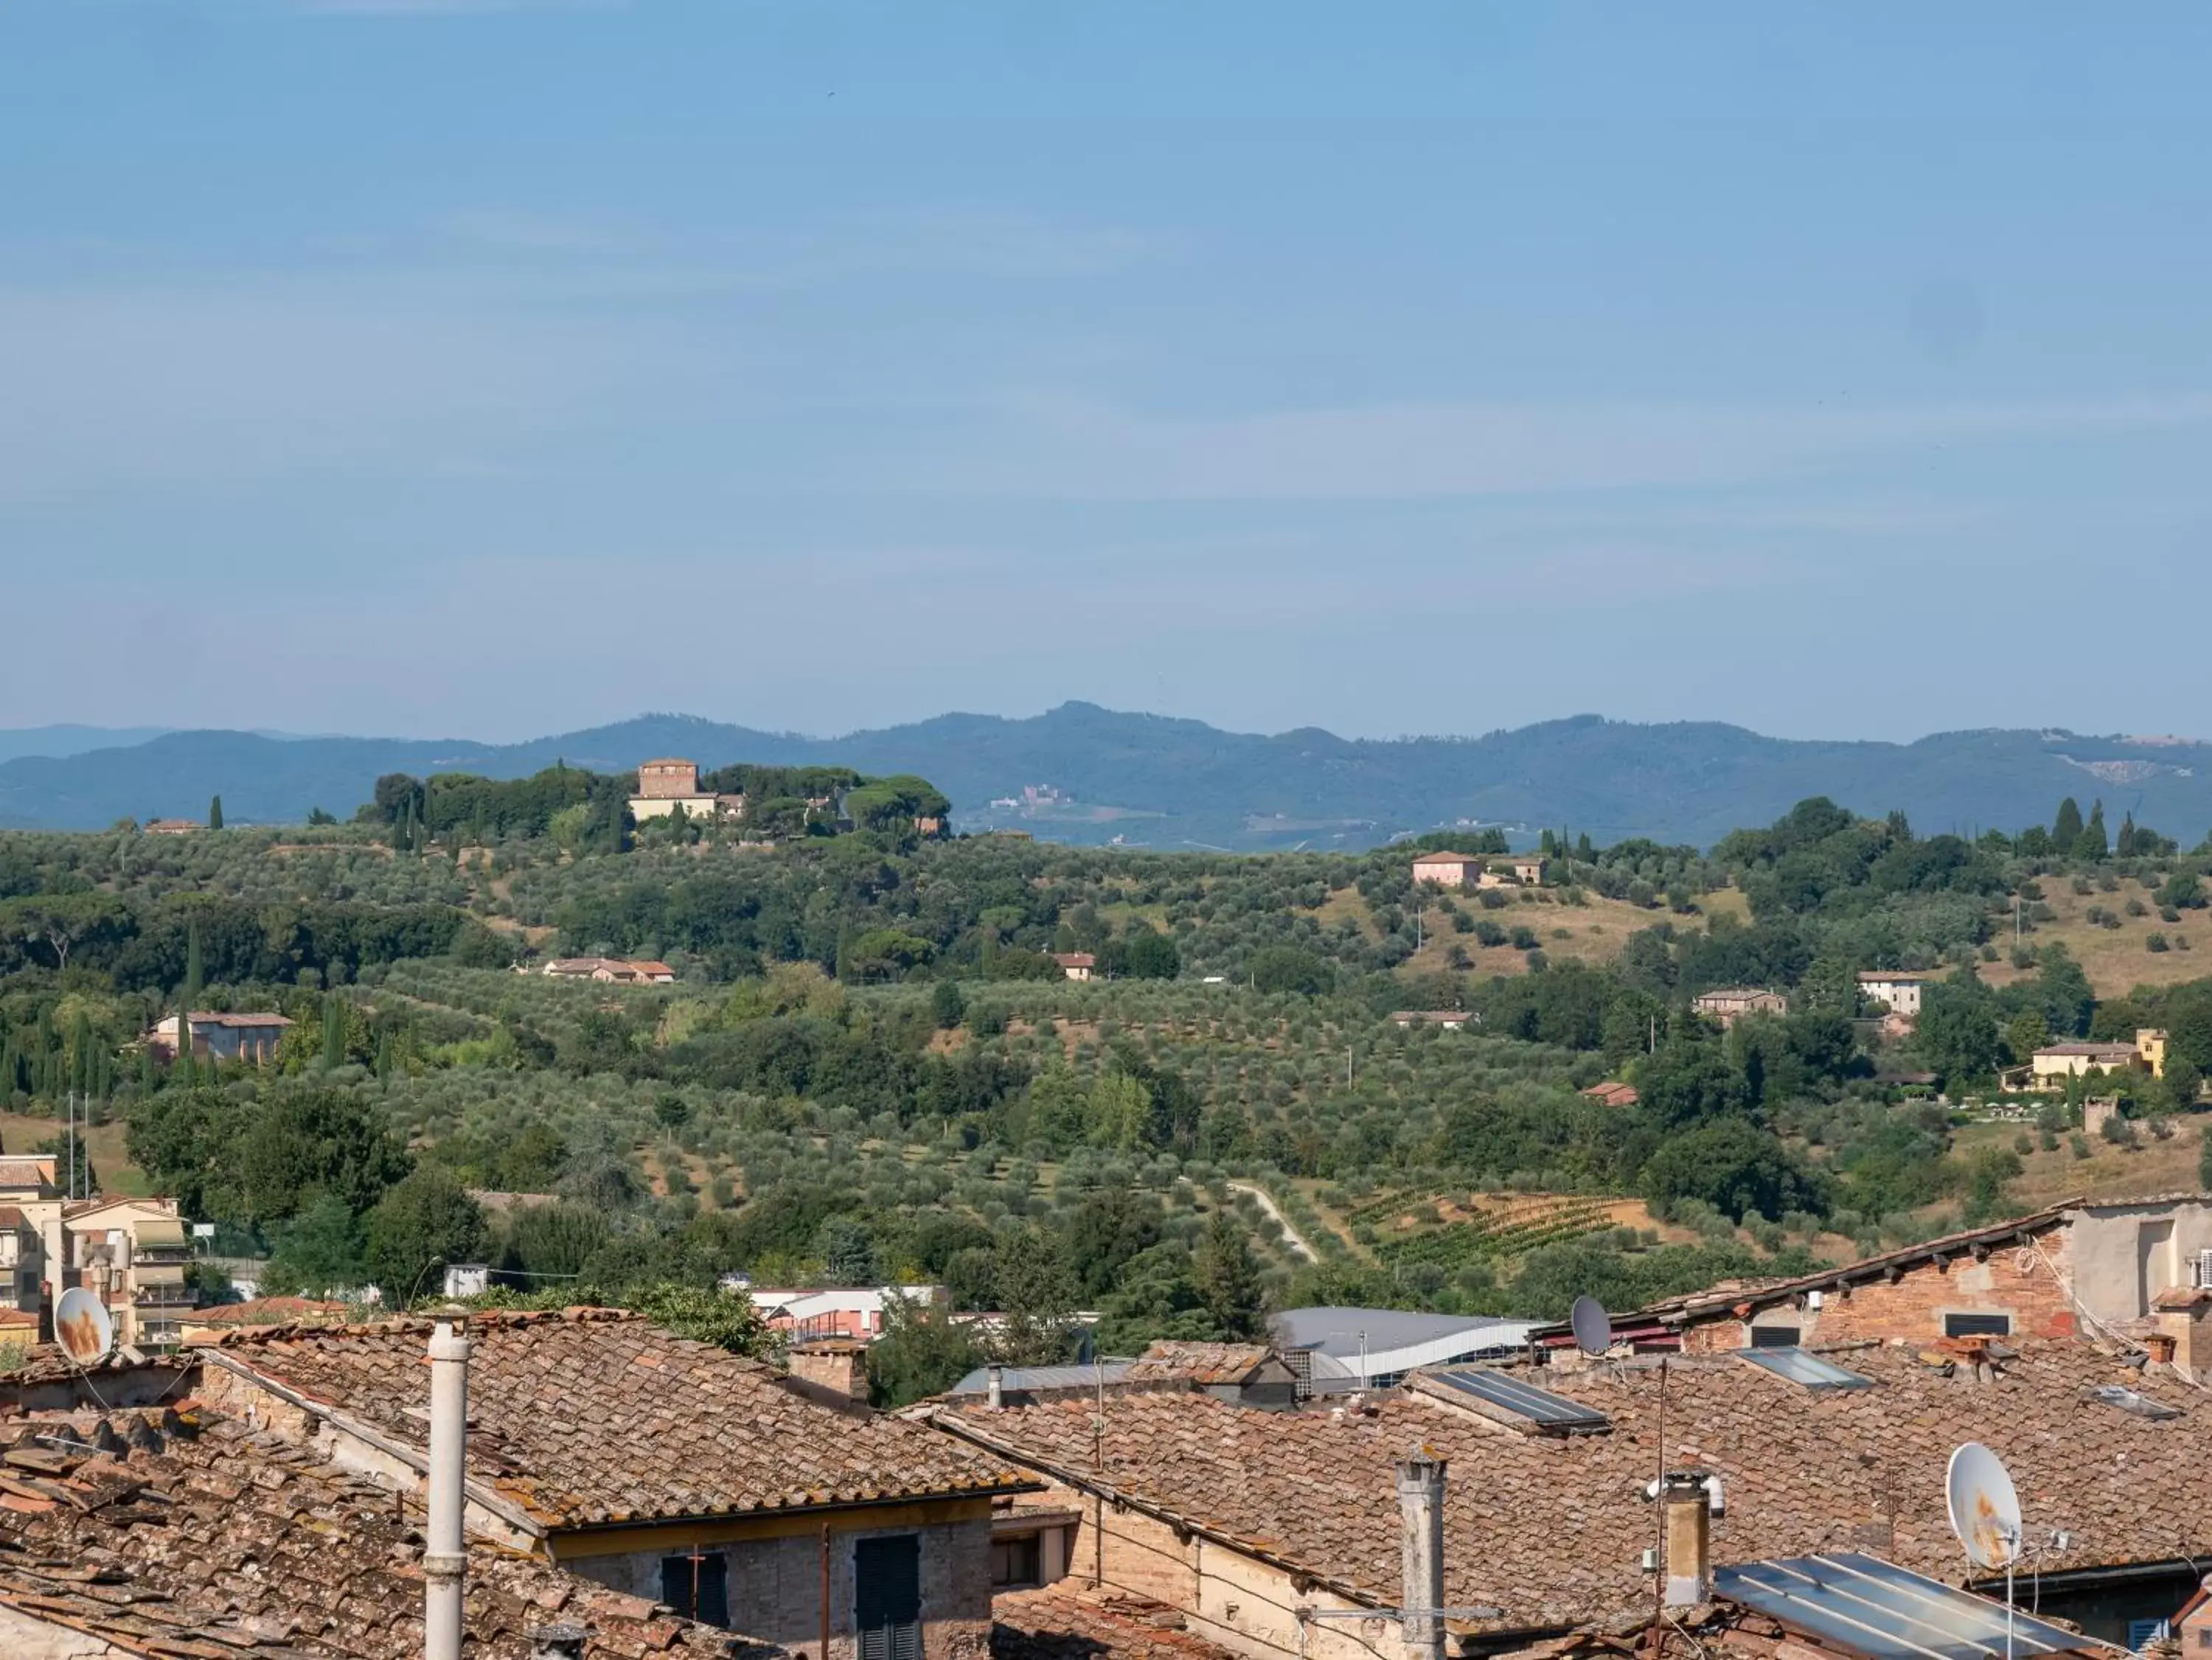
(1060,1622)
(207,1017)
(2097,1049)
(1613,1092)
(270,1312)
(1448,858)
(227,1543)
(594,1415)
(1197,1363)
(1551,1529)
(26,1172)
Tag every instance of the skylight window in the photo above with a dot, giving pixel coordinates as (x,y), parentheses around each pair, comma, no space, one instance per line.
(2128,1400)
(1806,1369)
(1505,1394)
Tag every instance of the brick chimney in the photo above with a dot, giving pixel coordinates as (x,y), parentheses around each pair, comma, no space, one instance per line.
(1421,1537)
(2184,1316)
(1685,1501)
(831,1370)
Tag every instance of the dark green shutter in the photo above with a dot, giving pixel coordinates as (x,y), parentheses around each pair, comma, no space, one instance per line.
(887,1584)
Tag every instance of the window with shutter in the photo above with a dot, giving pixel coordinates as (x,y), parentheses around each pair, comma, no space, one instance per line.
(697,1585)
(887,1584)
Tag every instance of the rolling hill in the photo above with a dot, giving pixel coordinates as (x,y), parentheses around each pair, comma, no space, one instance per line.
(1167,783)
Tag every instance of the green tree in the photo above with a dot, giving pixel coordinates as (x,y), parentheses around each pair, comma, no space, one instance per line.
(1735,1166)
(1228,1278)
(1036,1295)
(319,1251)
(2093,843)
(705,1314)
(1289,969)
(195,967)
(426,1223)
(2066,832)
(947,1007)
(214,814)
(921,1352)
(299,1142)
(1958,1035)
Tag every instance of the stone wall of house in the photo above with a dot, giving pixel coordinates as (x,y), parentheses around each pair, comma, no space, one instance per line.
(2029,1285)
(677,780)
(775,1586)
(1223,1596)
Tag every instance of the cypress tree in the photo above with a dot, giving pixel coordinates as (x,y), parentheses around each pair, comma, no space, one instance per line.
(188,1067)
(2124,843)
(214,814)
(2068,830)
(195,965)
(334,1032)
(2091,844)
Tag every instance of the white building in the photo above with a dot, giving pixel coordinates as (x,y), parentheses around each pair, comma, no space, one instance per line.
(1897,990)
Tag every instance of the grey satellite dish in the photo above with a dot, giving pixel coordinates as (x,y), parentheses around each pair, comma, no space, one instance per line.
(1593,1326)
(1984,1508)
(82,1328)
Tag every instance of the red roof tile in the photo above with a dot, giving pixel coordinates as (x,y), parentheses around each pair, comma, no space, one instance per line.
(231,1543)
(1551,1529)
(594,1415)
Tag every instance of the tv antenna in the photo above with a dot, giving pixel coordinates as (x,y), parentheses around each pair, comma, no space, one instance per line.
(1985,1515)
(84,1328)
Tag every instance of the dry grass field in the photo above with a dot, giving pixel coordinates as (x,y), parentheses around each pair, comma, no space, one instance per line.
(2117,959)
(1591,933)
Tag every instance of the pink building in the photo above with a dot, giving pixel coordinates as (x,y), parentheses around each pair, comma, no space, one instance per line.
(1448,869)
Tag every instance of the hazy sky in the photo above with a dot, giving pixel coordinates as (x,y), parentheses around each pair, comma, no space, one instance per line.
(454,366)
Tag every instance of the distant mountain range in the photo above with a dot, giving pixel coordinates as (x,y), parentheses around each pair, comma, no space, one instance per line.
(1081,773)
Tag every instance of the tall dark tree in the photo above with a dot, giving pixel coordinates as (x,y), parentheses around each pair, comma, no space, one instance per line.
(2093,843)
(1228,1276)
(2067,830)
(214,814)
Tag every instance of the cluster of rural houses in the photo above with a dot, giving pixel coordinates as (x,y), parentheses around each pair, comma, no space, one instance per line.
(1757,1469)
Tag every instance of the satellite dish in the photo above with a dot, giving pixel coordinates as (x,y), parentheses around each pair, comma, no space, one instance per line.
(82,1328)
(1984,1508)
(1593,1326)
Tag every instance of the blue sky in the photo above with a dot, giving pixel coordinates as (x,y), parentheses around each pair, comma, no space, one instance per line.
(455,366)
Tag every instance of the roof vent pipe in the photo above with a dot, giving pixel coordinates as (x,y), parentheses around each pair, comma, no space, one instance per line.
(997,1374)
(1421,1535)
(444,1556)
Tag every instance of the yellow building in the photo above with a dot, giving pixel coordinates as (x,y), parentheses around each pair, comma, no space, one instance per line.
(2050,1068)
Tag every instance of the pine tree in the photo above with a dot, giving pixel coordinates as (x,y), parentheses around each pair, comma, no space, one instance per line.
(214,814)
(2068,829)
(2091,844)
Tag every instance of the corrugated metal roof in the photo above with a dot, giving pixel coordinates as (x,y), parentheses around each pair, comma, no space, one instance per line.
(978,1382)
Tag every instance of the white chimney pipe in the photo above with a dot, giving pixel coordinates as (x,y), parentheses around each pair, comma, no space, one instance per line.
(1421,1535)
(444,1556)
(1688,1500)
(997,1374)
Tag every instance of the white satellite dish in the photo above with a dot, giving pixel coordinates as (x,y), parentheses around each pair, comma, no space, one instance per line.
(1593,1326)
(82,1328)
(1985,1507)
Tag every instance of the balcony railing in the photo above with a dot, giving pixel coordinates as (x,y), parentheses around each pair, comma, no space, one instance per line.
(165,1297)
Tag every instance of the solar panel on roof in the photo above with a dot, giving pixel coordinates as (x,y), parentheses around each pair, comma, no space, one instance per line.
(1876,1608)
(1523,1400)
(1806,1369)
